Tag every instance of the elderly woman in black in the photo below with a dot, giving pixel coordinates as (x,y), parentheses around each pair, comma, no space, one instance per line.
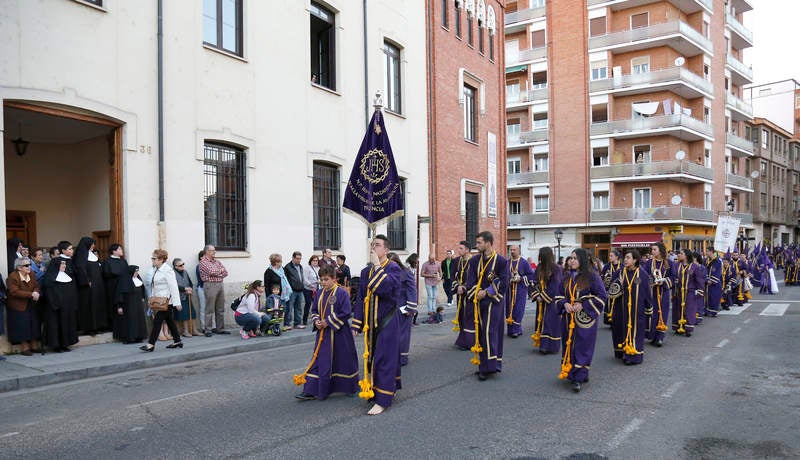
(186,315)
(23,318)
(161,280)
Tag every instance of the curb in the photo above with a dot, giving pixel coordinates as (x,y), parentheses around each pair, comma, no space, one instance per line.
(100,369)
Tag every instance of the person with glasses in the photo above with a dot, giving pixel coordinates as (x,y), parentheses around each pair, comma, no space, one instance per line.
(61,295)
(186,315)
(162,283)
(23,316)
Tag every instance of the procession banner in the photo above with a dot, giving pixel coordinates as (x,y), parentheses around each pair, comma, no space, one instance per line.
(727,230)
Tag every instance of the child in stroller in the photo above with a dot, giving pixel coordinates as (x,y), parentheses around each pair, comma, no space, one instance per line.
(274,309)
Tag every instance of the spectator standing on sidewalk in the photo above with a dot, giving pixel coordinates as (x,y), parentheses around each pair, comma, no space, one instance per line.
(37,264)
(276,275)
(201,296)
(295,276)
(23,314)
(185,285)
(432,272)
(310,285)
(327,259)
(448,273)
(161,279)
(212,272)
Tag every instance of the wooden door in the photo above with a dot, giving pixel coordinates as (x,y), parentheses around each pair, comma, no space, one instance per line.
(22,225)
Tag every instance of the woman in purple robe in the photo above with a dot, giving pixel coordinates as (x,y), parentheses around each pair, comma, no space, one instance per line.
(334,365)
(660,270)
(584,297)
(703,274)
(610,275)
(632,315)
(548,289)
(689,285)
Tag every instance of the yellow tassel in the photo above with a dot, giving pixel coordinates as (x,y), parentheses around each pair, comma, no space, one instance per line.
(537,339)
(509,320)
(299,379)
(366,389)
(456,329)
(475,361)
(661,327)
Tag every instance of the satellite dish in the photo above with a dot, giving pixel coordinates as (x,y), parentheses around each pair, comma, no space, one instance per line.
(676,200)
(679,61)
(755,174)
(680,155)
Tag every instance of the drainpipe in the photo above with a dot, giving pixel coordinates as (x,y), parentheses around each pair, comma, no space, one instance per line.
(431,128)
(160,72)
(366,68)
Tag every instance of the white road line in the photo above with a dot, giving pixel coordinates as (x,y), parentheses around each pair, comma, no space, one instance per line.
(747,320)
(722,343)
(775,309)
(8,435)
(707,357)
(290,371)
(735,310)
(771,301)
(132,406)
(736,331)
(137,428)
(672,389)
(627,431)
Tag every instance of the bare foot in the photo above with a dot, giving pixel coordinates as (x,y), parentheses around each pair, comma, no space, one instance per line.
(376,409)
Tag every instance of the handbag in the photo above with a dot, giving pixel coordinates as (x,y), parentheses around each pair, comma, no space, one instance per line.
(157,303)
(748,286)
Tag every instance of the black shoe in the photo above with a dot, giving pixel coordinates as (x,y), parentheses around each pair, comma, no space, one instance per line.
(659,343)
(576,387)
(482,376)
(726,308)
(208,334)
(222,332)
(65,349)
(175,345)
(305,397)
(688,334)
(148,348)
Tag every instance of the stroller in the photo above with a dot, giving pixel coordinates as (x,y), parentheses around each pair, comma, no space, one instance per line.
(275,324)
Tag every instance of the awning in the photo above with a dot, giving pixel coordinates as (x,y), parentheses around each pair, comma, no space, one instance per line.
(635,240)
(646,108)
(516,68)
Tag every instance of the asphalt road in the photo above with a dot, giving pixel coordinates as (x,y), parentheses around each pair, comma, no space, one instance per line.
(732,390)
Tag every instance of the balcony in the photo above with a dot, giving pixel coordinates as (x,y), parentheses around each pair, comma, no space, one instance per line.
(529,96)
(687,6)
(676,170)
(745,217)
(740,147)
(660,214)
(737,182)
(526,56)
(676,79)
(681,126)
(741,6)
(527,138)
(741,36)
(521,180)
(740,74)
(516,21)
(740,110)
(522,220)
(676,34)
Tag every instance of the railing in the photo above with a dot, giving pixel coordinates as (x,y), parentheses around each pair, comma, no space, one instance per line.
(746,217)
(651,32)
(538,218)
(739,105)
(530,54)
(739,67)
(538,94)
(656,168)
(708,3)
(739,142)
(657,122)
(737,27)
(534,177)
(524,15)
(656,76)
(537,135)
(739,181)
(653,214)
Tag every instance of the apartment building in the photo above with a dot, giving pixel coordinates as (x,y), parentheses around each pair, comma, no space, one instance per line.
(779,102)
(624,121)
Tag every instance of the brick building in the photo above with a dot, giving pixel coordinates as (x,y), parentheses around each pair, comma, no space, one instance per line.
(623,121)
(466,121)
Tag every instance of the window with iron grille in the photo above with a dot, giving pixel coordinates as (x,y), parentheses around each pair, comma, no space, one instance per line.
(327,207)
(222,25)
(225,197)
(396,228)
(472,212)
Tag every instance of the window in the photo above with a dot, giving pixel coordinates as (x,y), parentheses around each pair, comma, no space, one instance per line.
(222,24)
(540,120)
(764,138)
(472,216)
(706,30)
(763,170)
(600,156)
(640,20)
(225,197)
(514,166)
(512,51)
(707,114)
(323,46)
(396,228)
(640,65)
(470,118)
(445,14)
(600,200)
(512,132)
(512,91)
(597,26)
(541,162)
(599,70)
(469,29)
(458,29)
(642,154)
(600,113)
(641,198)
(707,72)
(542,203)
(394,99)
(537,39)
(480,36)
(327,212)
(707,200)
(514,207)
(763,203)
(707,158)
(539,80)
(491,45)
(797,101)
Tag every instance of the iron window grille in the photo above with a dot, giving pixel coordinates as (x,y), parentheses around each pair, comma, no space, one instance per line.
(396,228)
(225,197)
(327,208)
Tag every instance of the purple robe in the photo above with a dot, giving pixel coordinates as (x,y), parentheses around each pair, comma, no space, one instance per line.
(632,315)
(584,335)
(689,285)
(494,279)
(383,285)
(660,295)
(714,286)
(517,294)
(701,307)
(464,315)
(741,268)
(727,294)
(410,299)
(335,369)
(548,314)
(610,274)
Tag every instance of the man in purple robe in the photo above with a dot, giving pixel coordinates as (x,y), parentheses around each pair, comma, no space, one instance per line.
(610,276)
(660,270)
(377,315)
(634,310)
(334,365)
(521,277)
(464,320)
(487,282)
(409,299)
(689,284)
(713,294)
(740,268)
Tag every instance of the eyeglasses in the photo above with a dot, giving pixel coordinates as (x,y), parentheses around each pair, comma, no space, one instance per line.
(179,265)
(154,258)
(25,265)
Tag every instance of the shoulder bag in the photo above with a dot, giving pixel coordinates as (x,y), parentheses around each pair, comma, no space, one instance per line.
(157,303)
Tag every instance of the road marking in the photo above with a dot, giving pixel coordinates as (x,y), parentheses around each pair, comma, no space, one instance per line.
(735,310)
(290,371)
(672,389)
(707,357)
(771,301)
(8,435)
(137,428)
(775,309)
(747,320)
(132,406)
(722,343)
(627,431)
(736,331)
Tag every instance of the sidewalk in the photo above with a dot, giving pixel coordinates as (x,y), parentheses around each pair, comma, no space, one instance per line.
(19,372)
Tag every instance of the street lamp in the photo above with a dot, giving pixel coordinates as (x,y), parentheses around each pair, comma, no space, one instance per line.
(558,234)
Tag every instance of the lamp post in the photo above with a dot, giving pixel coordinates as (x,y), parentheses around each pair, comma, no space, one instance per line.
(558,234)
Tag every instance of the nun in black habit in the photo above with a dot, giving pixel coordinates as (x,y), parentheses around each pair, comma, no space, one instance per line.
(130,325)
(61,301)
(14,245)
(92,309)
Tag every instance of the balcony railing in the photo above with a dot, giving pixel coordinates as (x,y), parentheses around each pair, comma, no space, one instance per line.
(746,217)
(680,3)
(538,218)
(537,135)
(739,143)
(649,123)
(663,213)
(526,178)
(530,54)
(653,77)
(655,31)
(740,29)
(656,168)
(739,67)
(739,181)
(538,94)
(739,105)
(524,15)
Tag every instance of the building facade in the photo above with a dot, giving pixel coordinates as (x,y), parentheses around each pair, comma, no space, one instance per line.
(624,120)
(778,102)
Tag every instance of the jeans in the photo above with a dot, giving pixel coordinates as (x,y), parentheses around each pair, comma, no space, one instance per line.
(251,321)
(295,304)
(308,296)
(431,290)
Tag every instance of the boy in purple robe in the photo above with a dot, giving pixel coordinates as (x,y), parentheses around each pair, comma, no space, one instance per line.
(610,275)
(377,314)
(713,293)
(521,277)
(660,270)
(548,282)
(410,302)
(334,365)
(689,285)
(740,268)
(584,297)
(633,313)
(487,282)
(464,320)
(728,285)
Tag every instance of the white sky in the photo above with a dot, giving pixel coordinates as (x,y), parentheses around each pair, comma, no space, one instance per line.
(776,33)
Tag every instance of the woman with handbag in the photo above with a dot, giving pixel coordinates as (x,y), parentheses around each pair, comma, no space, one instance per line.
(164,298)
(23,315)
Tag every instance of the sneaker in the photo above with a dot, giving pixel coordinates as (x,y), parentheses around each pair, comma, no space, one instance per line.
(244,334)
(287,328)
(251,333)
(301,326)
(208,334)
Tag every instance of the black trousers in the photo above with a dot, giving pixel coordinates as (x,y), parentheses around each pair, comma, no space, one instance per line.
(447,284)
(158,320)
